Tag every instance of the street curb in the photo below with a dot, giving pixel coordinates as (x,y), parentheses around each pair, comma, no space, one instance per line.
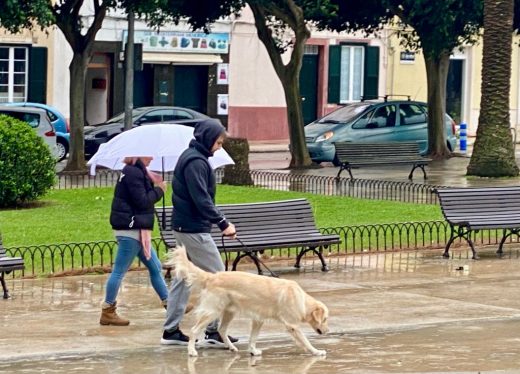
(268,147)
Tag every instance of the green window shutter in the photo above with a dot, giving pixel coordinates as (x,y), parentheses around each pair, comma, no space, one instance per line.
(334,73)
(37,92)
(371,80)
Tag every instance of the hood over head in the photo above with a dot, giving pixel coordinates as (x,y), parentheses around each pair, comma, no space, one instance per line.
(207,131)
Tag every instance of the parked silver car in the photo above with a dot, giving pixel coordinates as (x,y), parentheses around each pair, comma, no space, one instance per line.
(38,119)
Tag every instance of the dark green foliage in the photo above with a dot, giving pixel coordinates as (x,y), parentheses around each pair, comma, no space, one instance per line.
(26,164)
(18,14)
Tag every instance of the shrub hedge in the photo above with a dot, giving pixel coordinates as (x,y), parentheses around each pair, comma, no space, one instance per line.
(27,167)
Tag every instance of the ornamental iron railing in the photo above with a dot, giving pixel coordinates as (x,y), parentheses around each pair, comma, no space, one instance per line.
(77,258)
(287,181)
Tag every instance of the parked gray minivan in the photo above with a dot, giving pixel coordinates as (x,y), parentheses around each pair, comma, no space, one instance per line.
(38,119)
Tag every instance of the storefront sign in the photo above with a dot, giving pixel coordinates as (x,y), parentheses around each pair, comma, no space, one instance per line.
(172,41)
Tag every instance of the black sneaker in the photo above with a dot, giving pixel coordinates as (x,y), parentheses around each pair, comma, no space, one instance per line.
(175,337)
(214,340)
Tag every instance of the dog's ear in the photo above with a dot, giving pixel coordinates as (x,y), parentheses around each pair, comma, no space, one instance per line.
(318,313)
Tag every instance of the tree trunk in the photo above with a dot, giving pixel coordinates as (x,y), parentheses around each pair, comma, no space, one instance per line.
(78,72)
(69,20)
(437,75)
(289,74)
(493,152)
(238,174)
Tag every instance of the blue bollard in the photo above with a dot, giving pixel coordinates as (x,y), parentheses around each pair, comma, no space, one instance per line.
(463,137)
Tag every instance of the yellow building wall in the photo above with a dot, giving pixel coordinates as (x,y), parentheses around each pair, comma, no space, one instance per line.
(36,37)
(409,78)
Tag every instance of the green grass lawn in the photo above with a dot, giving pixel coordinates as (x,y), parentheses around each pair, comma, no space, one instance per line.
(81,215)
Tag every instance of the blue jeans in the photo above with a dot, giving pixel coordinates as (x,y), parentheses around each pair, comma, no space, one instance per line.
(127,249)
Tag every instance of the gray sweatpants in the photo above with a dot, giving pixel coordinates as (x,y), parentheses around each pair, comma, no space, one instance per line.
(203,252)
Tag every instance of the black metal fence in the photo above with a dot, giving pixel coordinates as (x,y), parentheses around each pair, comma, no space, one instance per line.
(287,181)
(77,258)
(99,256)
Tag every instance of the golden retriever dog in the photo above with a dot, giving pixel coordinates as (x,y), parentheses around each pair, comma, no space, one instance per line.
(225,294)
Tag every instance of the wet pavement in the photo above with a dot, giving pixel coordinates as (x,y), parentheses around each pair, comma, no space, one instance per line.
(394,313)
(390,313)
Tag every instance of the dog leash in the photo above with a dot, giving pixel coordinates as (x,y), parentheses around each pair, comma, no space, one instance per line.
(272,273)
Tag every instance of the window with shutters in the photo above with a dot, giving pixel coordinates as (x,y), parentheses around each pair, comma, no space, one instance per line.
(13,73)
(353,73)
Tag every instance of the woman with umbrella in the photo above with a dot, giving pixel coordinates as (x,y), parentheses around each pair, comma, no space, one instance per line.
(132,218)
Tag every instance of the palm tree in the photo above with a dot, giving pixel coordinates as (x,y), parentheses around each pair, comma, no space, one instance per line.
(493,152)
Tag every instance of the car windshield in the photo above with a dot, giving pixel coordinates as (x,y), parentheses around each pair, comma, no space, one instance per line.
(345,114)
(121,116)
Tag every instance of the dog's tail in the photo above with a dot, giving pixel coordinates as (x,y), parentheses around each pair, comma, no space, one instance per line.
(183,268)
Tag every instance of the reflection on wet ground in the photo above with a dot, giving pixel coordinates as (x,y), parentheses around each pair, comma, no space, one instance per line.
(395,312)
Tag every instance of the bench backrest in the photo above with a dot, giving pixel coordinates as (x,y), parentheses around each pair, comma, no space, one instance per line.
(268,218)
(457,203)
(8,263)
(256,219)
(353,152)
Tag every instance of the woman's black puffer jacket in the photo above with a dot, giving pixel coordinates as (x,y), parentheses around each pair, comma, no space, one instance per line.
(134,199)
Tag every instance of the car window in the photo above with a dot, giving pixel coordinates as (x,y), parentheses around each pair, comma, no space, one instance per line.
(33,119)
(119,118)
(384,116)
(411,114)
(345,114)
(154,116)
(52,116)
(179,115)
(362,121)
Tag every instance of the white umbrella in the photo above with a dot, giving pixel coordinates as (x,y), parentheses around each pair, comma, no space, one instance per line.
(163,142)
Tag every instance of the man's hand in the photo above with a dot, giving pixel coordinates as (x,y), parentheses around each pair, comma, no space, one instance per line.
(230,231)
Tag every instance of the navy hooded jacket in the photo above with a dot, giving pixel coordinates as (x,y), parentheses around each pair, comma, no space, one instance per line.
(194,184)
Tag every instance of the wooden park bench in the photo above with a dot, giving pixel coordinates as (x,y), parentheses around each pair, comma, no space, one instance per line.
(353,155)
(8,264)
(469,210)
(261,226)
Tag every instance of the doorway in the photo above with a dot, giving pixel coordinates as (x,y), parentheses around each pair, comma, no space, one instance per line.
(454,89)
(191,87)
(308,86)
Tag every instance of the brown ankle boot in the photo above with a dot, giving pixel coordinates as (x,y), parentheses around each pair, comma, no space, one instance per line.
(110,317)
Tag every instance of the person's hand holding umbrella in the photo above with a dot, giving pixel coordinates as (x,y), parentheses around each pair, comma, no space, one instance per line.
(157,180)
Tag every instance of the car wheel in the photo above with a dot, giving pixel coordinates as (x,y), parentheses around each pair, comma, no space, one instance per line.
(62,148)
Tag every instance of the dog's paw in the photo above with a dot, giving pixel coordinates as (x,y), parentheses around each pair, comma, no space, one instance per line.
(319,352)
(255,352)
(192,353)
(232,348)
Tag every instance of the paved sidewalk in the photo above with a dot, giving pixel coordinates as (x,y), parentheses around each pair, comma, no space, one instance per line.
(394,312)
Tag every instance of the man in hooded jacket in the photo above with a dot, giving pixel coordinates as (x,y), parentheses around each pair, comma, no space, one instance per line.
(194,213)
